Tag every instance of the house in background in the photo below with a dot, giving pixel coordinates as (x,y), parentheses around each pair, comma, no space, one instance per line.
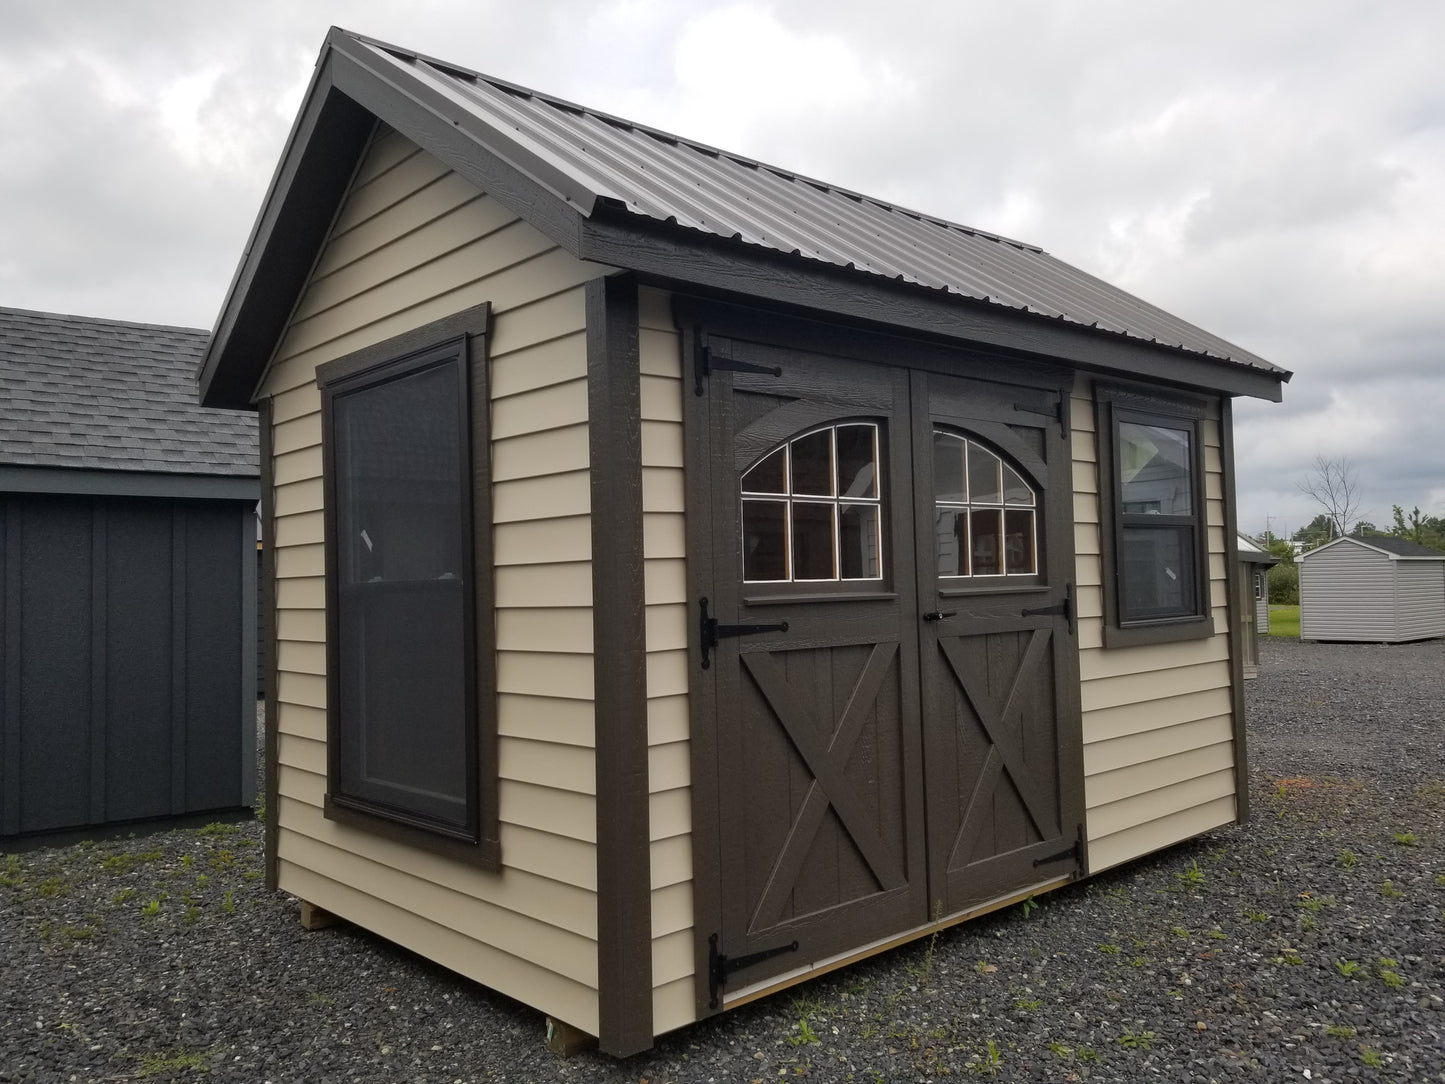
(1376,589)
(689,577)
(127,579)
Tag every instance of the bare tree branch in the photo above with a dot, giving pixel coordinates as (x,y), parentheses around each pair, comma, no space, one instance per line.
(1334,485)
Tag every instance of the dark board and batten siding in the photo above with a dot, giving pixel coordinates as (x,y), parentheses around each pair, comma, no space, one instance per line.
(127,652)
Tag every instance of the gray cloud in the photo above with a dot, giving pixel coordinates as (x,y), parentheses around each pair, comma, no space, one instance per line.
(1270,171)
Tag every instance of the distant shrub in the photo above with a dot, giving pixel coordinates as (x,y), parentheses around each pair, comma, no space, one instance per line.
(1284,585)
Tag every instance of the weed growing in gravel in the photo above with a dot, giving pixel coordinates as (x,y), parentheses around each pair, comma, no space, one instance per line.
(216,828)
(1390,892)
(1405,839)
(1388,975)
(1346,859)
(804,1034)
(12,877)
(1294,959)
(1137,1040)
(1216,934)
(1029,906)
(1339,1031)
(151,908)
(1371,1058)
(178,1061)
(1192,877)
(1256,916)
(1348,968)
(989,1059)
(1028,1004)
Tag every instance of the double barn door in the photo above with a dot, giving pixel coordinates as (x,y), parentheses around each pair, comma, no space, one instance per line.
(885,706)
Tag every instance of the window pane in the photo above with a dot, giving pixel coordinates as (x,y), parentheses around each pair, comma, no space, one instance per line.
(984,486)
(1157,574)
(813,537)
(948,469)
(1018,541)
(1154,470)
(403,681)
(858,542)
(768,475)
(987,550)
(765,541)
(951,531)
(813,464)
(398,448)
(857,469)
(1015,489)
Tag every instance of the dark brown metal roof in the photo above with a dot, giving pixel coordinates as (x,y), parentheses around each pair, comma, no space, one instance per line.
(589,158)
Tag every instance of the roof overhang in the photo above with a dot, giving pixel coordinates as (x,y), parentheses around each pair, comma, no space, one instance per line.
(359,82)
(124,483)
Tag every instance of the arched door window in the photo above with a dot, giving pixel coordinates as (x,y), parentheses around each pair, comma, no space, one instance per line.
(811,508)
(985,514)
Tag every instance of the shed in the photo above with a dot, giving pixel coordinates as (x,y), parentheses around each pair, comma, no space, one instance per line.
(127,579)
(1375,589)
(690,577)
(1255,562)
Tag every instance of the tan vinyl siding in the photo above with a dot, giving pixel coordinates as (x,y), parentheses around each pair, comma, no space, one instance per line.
(1157,725)
(412,243)
(665,595)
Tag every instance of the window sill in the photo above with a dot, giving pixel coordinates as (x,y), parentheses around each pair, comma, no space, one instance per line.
(1162,632)
(485,853)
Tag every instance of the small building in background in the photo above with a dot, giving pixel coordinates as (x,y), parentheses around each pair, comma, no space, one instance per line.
(1376,589)
(1252,584)
(127,579)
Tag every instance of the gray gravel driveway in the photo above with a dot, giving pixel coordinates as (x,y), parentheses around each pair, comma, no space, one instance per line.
(1308,944)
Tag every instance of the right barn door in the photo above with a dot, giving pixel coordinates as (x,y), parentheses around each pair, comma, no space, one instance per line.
(995,558)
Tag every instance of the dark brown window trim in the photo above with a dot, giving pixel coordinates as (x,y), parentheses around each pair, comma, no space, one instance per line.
(1109,401)
(481,843)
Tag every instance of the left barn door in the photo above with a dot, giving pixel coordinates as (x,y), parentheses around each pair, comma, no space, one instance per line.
(811,692)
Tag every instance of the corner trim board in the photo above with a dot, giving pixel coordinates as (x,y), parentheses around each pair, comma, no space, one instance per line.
(624,887)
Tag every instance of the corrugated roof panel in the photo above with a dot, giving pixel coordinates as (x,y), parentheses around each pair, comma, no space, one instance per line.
(587,156)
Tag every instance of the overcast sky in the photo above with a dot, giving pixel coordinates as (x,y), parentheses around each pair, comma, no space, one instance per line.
(1271,171)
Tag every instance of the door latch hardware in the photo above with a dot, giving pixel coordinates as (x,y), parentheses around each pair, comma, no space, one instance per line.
(939,615)
(719,967)
(705,363)
(1065,608)
(711,632)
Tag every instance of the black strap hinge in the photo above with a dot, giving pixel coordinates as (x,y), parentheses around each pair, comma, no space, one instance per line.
(1074,853)
(719,967)
(1064,609)
(710,632)
(1060,413)
(705,363)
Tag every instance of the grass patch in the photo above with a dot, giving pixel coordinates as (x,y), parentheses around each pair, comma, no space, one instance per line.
(1284,622)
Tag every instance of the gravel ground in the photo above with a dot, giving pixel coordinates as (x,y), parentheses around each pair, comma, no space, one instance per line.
(1308,944)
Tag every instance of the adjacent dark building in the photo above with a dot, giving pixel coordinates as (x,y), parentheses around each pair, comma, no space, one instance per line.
(127,579)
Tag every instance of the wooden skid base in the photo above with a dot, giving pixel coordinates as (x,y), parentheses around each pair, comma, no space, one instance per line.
(314,918)
(566,1040)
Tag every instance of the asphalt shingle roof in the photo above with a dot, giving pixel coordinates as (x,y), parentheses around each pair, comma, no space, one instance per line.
(1400,547)
(94,394)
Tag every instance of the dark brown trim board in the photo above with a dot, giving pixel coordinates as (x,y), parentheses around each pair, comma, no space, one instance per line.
(271,782)
(1236,644)
(479,844)
(624,886)
(1200,626)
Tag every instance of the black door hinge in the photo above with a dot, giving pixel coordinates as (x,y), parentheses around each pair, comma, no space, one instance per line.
(704,363)
(1060,413)
(1064,609)
(719,967)
(1074,853)
(710,632)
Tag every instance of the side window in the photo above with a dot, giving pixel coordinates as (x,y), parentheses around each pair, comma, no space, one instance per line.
(812,509)
(985,514)
(1152,512)
(407,709)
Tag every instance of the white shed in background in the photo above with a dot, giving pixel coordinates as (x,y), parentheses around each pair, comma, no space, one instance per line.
(1382,590)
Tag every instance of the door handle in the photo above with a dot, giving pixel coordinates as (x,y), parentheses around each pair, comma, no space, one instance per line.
(939,615)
